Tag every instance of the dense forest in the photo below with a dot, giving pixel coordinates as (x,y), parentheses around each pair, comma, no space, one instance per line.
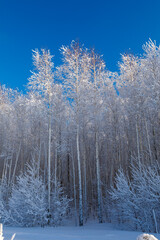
(83,142)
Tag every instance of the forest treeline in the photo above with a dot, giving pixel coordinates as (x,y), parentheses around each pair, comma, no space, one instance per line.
(78,130)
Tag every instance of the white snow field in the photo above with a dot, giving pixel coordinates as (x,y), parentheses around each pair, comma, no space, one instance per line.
(91,231)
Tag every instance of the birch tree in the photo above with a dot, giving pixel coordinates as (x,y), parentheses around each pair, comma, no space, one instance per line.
(97,65)
(42,81)
(72,69)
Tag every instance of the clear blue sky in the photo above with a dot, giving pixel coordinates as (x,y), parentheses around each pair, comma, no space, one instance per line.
(111,26)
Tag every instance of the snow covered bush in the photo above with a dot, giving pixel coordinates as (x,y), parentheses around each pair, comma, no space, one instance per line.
(4,196)
(28,200)
(146,184)
(122,197)
(59,206)
(136,202)
(27,204)
(1,203)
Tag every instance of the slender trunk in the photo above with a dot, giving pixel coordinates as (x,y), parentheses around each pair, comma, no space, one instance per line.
(15,166)
(74,189)
(1,232)
(10,170)
(154,144)
(155,221)
(77,143)
(80,180)
(138,148)
(96,142)
(4,174)
(45,163)
(149,146)
(49,164)
(98,180)
(55,171)
(39,159)
(85,186)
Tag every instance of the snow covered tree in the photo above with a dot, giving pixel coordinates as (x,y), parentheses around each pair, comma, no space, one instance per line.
(137,200)
(97,66)
(27,204)
(42,81)
(4,215)
(123,197)
(60,206)
(72,70)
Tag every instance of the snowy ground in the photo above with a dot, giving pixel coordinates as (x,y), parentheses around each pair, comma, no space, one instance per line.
(91,231)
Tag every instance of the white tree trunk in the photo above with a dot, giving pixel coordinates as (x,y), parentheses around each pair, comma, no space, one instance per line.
(15,166)
(138,147)
(74,189)
(55,171)
(85,186)
(98,180)
(80,180)
(49,164)
(149,146)
(1,232)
